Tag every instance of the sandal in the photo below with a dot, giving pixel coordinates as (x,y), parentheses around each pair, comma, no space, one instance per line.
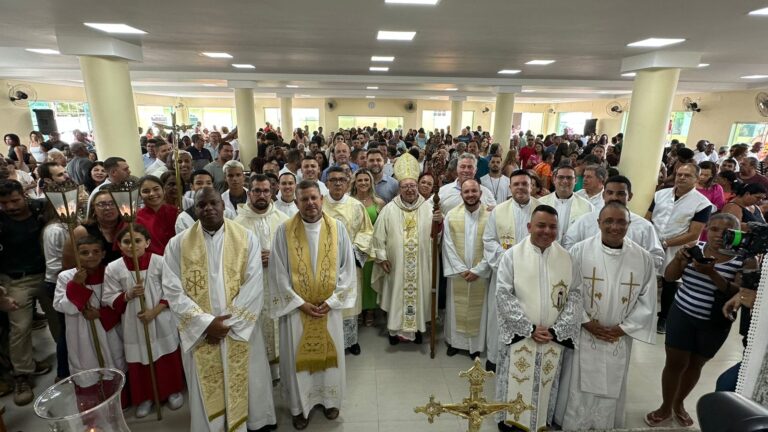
(369,319)
(683,418)
(654,420)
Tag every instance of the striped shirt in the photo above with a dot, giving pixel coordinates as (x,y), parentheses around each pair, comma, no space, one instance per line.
(696,295)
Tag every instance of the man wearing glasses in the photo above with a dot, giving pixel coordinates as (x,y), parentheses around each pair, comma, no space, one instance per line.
(569,206)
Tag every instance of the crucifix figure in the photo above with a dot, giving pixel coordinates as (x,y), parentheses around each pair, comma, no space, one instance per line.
(631,284)
(593,279)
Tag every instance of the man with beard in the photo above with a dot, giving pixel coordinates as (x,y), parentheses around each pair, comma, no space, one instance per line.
(495,181)
(262,218)
(213,281)
(200,179)
(158,167)
(311,274)
(507,225)
(569,206)
(386,187)
(216,168)
(353,214)
(286,199)
(467,271)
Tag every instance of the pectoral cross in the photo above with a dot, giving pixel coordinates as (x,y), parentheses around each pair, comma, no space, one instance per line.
(632,286)
(594,278)
(195,282)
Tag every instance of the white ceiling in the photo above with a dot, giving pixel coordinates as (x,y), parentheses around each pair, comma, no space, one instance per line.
(324,46)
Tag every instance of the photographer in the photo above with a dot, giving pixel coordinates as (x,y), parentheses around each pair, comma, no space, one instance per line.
(696,327)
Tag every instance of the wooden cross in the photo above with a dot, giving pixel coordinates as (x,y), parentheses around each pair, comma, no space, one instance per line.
(632,286)
(594,278)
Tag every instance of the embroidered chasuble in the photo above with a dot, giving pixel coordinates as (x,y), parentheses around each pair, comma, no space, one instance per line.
(534,288)
(221,394)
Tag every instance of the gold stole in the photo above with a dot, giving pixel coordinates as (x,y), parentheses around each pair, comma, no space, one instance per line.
(506,225)
(468,298)
(316,351)
(220,394)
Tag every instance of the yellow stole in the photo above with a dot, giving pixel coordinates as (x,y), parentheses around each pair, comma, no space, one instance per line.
(220,394)
(468,298)
(316,351)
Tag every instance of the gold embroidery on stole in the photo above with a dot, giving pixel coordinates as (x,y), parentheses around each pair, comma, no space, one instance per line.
(468,298)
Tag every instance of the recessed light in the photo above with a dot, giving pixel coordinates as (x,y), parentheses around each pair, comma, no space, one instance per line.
(414,2)
(509,71)
(529,91)
(243,66)
(43,51)
(754,76)
(370,97)
(703,65)
(629,74)
(291,86)
(378,69)
(216,55)
(435,97)
(396,35)
(655,42)
(763,11)
(305,96)
(451,89)
(115,28)
(540,62)
(382,58)
(210,85)
(371,88)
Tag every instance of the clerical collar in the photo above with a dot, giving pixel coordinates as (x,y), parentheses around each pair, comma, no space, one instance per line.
(562,199)
(341,200)
(522,205)
(312,225)
(612,247)
(214,232)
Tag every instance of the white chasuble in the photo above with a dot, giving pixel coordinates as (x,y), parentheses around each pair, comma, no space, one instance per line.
(238,366)
(304,389)
(466,307)
(402,237)
(263,226)
(618,289)
(507,225)
(534,289)
(568,210)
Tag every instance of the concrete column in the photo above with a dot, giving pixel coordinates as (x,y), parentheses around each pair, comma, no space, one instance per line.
(286,117)
(246,124)
(110,96)
(457,107)
(505,105)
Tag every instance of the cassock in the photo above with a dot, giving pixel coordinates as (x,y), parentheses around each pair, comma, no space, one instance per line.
(323,272)
(568,210)
(187,218)
(499,187)
(206,276)
(234,207)
(618,288)
(352,213)
(507,225)
(450,196)
(640,231)
(466,307)
(264,226)
(402,236)
(289,208)
(596,200)
(534,288)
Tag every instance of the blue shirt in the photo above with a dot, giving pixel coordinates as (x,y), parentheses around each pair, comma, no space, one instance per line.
(387,188)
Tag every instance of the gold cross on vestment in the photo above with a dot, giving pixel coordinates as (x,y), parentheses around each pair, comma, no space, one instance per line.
(593,279)
(194,282)
(632,286)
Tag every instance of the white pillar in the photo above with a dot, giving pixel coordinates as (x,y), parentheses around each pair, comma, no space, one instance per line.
(286,117)
(246,124)
(505,106)
(457,107)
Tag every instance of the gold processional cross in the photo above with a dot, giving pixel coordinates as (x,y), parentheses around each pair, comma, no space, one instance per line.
(631,286)
(594,278)
(474,408)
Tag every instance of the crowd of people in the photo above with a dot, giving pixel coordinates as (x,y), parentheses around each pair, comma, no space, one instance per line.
(254,272)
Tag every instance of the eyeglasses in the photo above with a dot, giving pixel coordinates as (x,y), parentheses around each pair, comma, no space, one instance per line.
(261,192)
(105,205)
(337,180)
(407,187)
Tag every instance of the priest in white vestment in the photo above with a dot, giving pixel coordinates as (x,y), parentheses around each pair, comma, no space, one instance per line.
(618,288)
(618,189)
(286,198)
(592,185)
(402,249)
(467,270)
(539,313)
(312,279)
(212,278)
(260,216)
(352,213)
(450,194)
(507,225)
(187,218)
(570,207)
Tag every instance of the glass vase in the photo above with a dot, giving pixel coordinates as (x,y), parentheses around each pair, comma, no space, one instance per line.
(88,401)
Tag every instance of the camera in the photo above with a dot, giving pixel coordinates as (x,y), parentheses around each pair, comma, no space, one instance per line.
(747,243)
(698,256)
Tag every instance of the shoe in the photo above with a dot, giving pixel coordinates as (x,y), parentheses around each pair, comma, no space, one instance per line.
(144,409)
(41,369)
(394,340)
(490,367)
(417,340)
(331,413)
(661,326)
(22,391)
(451,351)
(299,422)
(267,428)
(39,325)
(175,401)
(369,318)
(474,355)
(6,388)
(355,349)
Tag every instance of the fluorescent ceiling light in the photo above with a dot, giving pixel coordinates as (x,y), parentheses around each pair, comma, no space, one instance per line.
(540,62)
(435,97)
(217,55)
(210,85)
(509,71)
(378,69)
(754,76)
(396,35)
(451,89)
(43,51)
(115,28)
(243,66)
(629,74)
(371,88)
(703,65)
(763,11)
(413,2)
(382,58)
(291,86)
(655,42)
(529,91)
(370,97)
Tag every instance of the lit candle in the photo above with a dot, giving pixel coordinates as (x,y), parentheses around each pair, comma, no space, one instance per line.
(62,211)
(125,210)
(93,429)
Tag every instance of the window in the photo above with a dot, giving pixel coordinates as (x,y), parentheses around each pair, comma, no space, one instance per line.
(532,122)
(69,116)
(149,115)
(392,123)
(468,119)
(301,117)
(431,120)
(679,124)
(212,117)
(572,122)
(749,133)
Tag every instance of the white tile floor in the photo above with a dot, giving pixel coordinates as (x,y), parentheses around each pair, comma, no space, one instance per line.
(385,383)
